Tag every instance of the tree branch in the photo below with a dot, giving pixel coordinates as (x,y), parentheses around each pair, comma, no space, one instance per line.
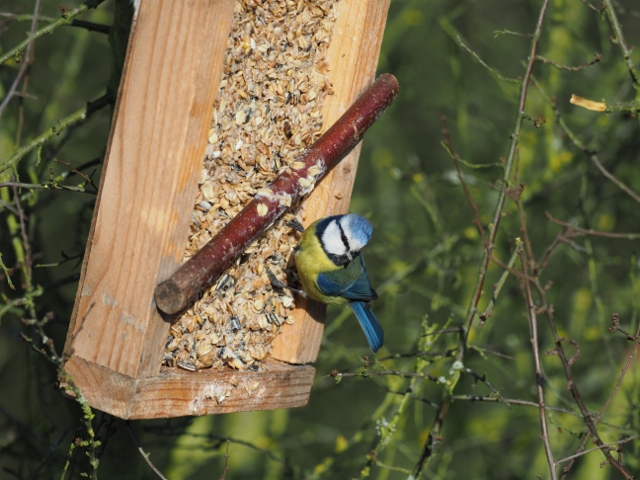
(533,324)
(26,62)
(76,118)
(515,137)
(63,20)
(297,180)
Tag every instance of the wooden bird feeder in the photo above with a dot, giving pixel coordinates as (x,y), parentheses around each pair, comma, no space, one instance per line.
(125,356)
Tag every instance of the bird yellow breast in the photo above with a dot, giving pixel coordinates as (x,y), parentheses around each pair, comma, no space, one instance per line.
(310,262)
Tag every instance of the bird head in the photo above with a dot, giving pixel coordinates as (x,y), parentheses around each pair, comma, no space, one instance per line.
(343,236)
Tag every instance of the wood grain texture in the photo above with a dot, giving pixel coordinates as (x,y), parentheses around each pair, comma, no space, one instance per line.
(155,153)
(353,57)
(116,338)
(174,392)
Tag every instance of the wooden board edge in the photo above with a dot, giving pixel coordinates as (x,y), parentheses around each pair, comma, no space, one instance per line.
(353,63)
(100,386)
(177,393)
(150,332)
(87,250)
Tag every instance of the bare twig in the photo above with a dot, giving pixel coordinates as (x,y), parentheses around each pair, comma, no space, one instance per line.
(428,448)
(26,61)
(448,27)
(533,324)
(511,401)
(440,354)
(92,443)
(553,104)
(504,31)
(226,461)
(488,351)
(620,40)
(213,441)
(592,7)
(508,165)
(26,245)
(144,454)
(483,379)
(612,16)
(590,231)
(46,30)
(46,186)
(87,179)
(513,271)
(388,428)
(544,261)
(457,329)
(632,352)
(433,438)
(377,373)
(596,418)
(91,26)
(76,118)
(571,458)
(515,194)
(614,179)
(615,327)
(26,17)
(497,289)
(418,398)
(456,160)
(596,59)
(571,384)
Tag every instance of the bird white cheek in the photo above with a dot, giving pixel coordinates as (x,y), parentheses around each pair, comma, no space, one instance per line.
(331,240)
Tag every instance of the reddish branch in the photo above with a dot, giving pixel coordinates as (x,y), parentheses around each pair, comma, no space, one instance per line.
(181,289)
(605,447)
(574,229)
(533,324)
(456,160)
(26,61)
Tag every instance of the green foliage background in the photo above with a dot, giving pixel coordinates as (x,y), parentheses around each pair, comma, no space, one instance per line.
(424,258)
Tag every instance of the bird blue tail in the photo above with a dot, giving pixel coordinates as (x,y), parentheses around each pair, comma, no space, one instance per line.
(372,329)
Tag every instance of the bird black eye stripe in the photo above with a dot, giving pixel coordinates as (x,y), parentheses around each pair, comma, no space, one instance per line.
(343,237)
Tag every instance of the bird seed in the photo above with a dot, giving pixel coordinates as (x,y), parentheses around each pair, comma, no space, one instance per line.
(268,110)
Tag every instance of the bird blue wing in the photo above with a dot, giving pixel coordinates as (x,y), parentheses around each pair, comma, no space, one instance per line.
(369,323)
(351,283)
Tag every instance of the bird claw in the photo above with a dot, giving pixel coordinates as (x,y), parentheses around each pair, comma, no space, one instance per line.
(278,284)
(296,225)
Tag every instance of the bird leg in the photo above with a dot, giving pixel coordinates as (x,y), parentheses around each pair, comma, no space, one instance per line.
(296,225)
(278,284)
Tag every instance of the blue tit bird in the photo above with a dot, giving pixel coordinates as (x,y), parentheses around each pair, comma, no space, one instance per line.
(331,268)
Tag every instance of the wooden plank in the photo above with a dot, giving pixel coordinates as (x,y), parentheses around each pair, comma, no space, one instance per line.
(353,57)
(175,392)
(116,338)
(155,153)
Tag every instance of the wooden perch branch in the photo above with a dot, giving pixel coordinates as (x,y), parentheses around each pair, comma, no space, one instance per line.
(176,293)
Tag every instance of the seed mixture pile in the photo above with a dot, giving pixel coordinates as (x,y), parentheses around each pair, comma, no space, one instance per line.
(268,110)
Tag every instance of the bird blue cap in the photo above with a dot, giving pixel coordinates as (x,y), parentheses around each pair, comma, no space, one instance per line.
(357,228)
(360,227)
